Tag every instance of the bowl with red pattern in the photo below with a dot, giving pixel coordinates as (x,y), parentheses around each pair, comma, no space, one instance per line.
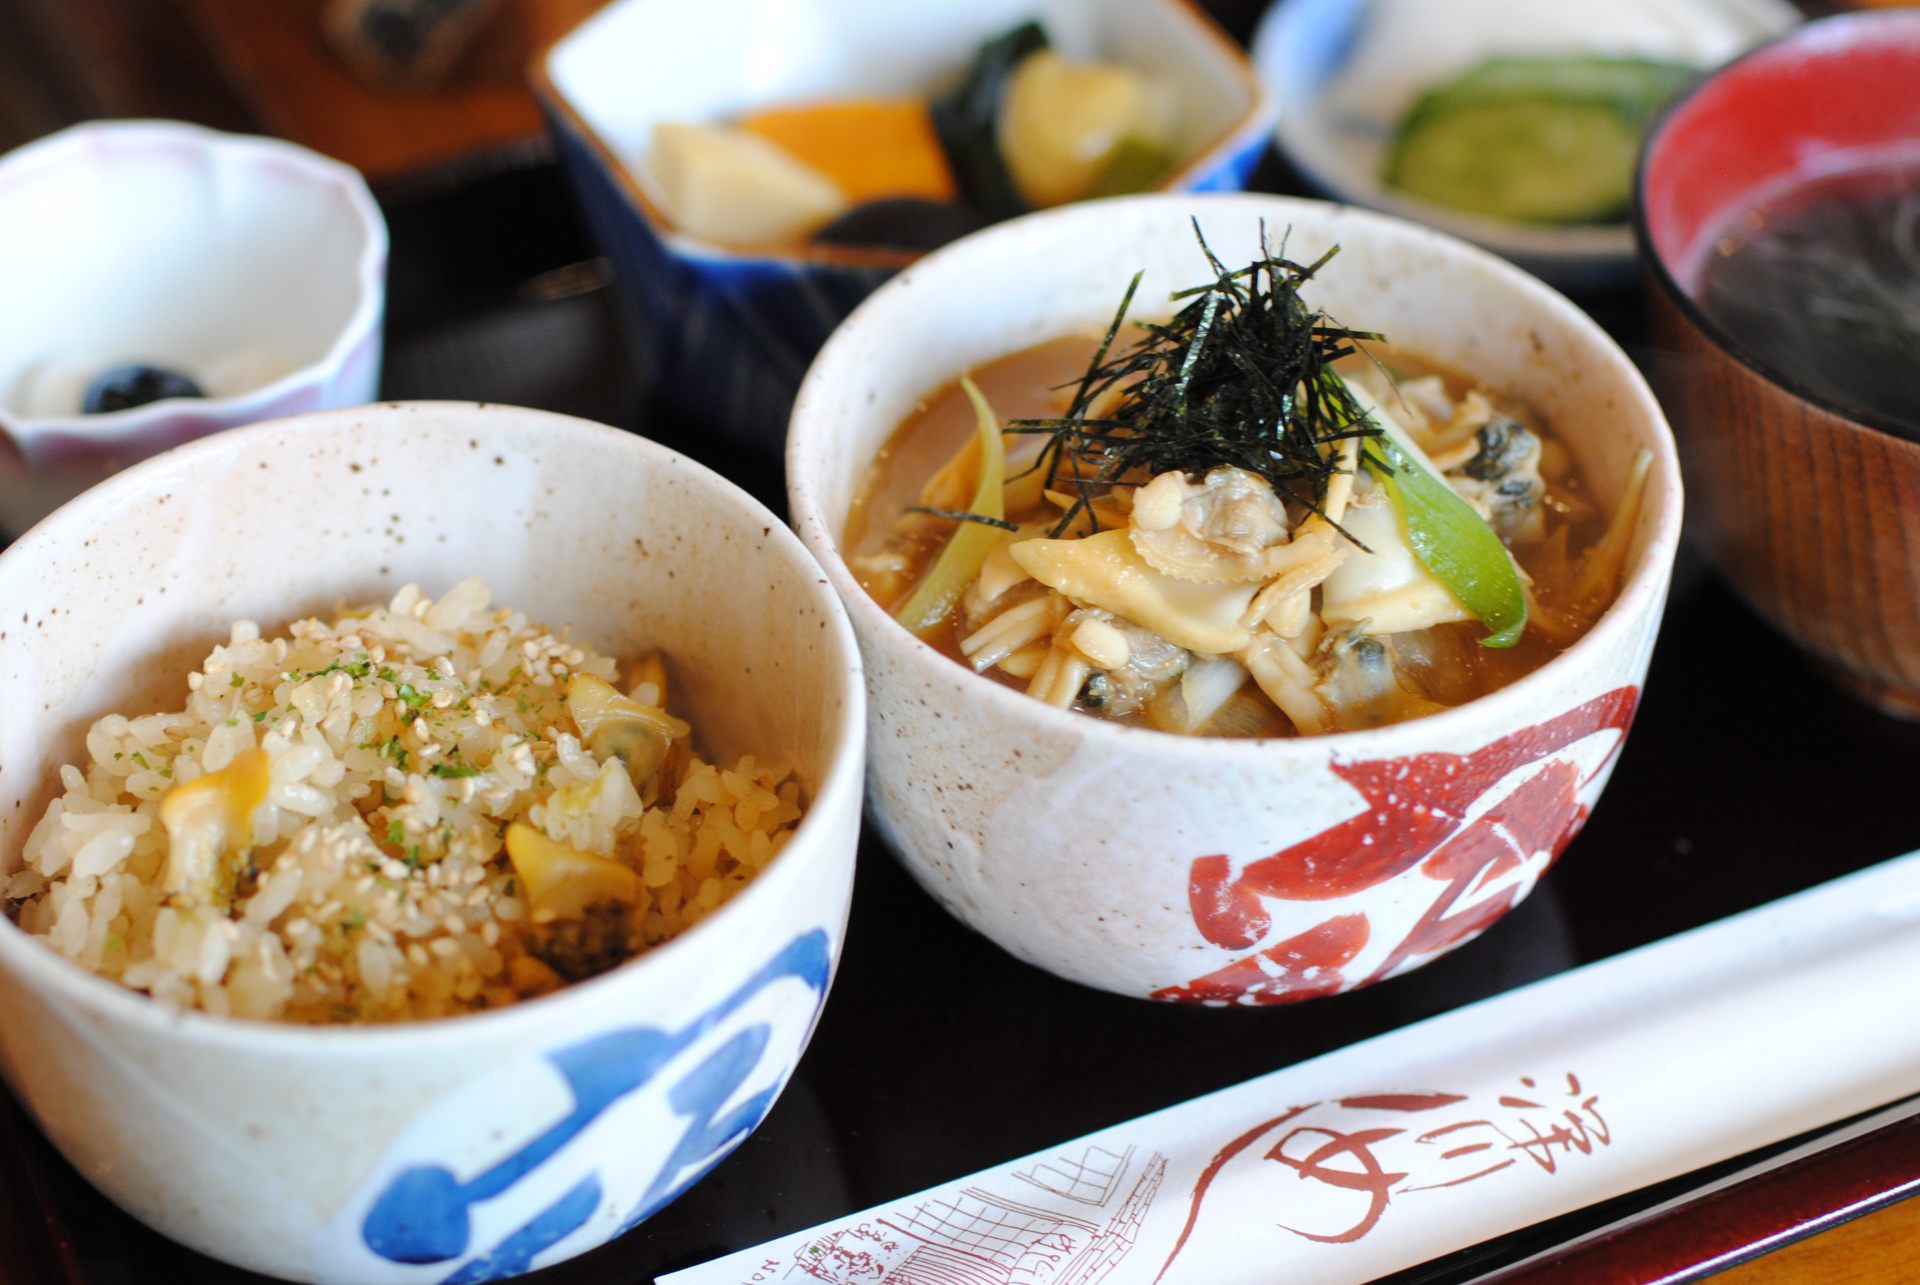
(1203,869)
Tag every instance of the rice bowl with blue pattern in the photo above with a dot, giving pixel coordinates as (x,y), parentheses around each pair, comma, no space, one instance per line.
(473,1146)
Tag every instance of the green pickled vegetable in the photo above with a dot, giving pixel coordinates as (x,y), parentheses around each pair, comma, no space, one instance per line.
(932,600)
(1548,139)
(1453,543)
(1634,87)
(1536,160)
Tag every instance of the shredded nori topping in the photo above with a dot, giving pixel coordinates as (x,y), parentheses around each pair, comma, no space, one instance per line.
(1242,374)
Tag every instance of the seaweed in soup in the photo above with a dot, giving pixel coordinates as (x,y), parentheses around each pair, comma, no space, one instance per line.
(1821,282)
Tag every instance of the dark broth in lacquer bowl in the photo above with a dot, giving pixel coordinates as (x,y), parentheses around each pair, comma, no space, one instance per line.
(1778,214)
(1819,279)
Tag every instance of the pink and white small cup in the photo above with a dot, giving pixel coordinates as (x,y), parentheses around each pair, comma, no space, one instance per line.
(254,267)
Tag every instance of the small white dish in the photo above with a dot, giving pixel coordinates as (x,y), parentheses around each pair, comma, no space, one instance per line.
(1346,71)
(253,266)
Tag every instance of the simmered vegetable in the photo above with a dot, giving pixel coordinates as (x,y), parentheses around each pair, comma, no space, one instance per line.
(868,147)
(731,186)
(1023,128)
(906,222)
(1067,128)
(968,120)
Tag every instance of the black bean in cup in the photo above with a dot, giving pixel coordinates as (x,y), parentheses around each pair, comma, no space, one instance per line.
(902,222)
(127,386)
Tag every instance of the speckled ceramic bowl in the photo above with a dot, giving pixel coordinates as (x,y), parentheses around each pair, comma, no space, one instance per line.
(1213,870)
(727,331)
(256,267)
(474,1147)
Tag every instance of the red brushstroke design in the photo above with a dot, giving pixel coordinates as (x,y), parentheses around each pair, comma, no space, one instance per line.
(1367,1176)
(1298,968)
(1212,1171)
(1401,1101)
(1416,810)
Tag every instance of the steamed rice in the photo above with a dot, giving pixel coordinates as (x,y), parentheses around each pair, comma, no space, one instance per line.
(401,742)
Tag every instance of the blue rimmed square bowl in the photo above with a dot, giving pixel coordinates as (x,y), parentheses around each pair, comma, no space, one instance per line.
(728,331)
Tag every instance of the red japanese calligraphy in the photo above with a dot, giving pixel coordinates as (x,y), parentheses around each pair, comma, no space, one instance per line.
(1358,1155)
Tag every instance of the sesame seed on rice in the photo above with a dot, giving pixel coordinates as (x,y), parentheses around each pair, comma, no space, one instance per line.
(400,742)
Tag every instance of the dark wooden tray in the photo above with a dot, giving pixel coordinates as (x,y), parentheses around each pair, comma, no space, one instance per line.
(1747,777)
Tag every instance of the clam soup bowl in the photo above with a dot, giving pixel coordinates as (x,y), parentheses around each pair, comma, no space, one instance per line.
(1210,870)
(254,266)
(472,1147)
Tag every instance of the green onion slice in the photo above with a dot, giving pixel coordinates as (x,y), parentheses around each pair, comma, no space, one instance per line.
(959,563)
(1454,543)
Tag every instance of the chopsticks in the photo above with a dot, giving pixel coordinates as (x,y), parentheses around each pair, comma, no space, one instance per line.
(1869,1165)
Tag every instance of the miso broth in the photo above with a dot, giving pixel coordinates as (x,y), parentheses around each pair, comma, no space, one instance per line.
(890,546)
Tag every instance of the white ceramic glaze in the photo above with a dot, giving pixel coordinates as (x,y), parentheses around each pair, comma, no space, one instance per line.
(1346,71)
(254,266)
(1212,870)
(476,1146)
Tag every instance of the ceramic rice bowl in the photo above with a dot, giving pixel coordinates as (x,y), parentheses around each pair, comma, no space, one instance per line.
(1216,871)
(471,1147)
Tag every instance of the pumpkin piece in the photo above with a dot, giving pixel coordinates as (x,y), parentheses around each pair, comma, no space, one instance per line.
(869,147)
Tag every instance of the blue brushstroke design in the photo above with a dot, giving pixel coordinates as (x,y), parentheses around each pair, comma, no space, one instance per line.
(698,1097)
(514,1255)
(425,1213)
(1322,37)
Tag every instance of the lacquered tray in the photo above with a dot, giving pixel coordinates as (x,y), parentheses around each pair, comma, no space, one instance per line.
(1747,777)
